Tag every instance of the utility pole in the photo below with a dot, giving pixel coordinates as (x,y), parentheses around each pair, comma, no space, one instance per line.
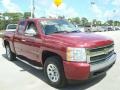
(114,11)
(92,4)
(33,9)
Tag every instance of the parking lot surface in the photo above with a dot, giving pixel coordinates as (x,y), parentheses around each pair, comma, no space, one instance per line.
(20,76)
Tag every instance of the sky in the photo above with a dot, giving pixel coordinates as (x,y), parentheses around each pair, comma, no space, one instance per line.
(101,9)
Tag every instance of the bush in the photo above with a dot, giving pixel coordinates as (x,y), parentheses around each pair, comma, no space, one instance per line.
(1,34)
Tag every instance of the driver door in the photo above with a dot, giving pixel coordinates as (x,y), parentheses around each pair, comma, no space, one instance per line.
(31,42)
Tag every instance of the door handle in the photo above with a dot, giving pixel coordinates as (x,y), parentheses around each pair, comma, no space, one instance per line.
(23,40)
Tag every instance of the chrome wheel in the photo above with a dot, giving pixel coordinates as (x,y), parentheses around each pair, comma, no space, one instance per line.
(8,52)
(53,73)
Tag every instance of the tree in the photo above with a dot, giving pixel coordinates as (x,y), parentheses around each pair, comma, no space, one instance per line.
(2,26)
(1,17)
(110,22)
(70,20)
(99,23)
(76,20)
(84,21)
(61,17)
(27,15)
(9,18)
(96,23)
(116,23)
(13,17)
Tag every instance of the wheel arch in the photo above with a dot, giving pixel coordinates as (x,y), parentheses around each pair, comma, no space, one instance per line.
(6,43)
(46,54)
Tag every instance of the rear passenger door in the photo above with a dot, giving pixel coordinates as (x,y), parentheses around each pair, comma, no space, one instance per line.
(18,38)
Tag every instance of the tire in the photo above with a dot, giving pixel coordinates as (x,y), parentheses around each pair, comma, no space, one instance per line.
(10,55)
(54,72)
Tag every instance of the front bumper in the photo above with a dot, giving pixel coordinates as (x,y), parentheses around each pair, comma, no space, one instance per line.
(83,71)
(76,71)
(104,64)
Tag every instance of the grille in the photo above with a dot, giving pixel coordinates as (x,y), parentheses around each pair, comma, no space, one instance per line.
(97,55)
(102,48)
(100,58)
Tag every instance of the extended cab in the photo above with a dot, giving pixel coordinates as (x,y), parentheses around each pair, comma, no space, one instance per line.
(63,51)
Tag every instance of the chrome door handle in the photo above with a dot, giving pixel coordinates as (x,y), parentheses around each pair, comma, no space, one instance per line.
(23,40)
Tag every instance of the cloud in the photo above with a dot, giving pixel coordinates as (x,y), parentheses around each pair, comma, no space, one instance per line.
(52,10)
(106,2)
(116,3)
(108,14)
(63,10)
(100,11)
(10,6)
(43,2)
(103,13)
(97,11)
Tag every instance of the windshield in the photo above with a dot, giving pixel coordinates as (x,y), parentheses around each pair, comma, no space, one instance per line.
(57,26)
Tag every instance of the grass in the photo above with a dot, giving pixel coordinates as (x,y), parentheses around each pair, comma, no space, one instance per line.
(1,33)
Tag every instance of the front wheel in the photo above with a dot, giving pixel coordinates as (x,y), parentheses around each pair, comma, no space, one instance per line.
(10,55)
(54,72)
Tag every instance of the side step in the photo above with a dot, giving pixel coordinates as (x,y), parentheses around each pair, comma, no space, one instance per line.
(36,67)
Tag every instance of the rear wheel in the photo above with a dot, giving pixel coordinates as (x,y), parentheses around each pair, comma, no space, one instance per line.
(10,55)
(54,72)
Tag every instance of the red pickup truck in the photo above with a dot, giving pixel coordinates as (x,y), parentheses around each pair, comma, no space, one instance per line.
(64,52)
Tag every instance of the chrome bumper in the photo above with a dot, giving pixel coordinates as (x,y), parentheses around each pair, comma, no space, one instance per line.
(102,65)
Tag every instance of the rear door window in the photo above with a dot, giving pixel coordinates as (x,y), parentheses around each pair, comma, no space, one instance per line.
(21,27)
(31,28)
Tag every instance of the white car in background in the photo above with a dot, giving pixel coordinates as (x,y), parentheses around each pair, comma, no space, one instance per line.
(11,27)
(117,28)
(82,29)
(102,28)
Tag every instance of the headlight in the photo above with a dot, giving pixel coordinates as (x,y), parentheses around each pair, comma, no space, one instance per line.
(76,54)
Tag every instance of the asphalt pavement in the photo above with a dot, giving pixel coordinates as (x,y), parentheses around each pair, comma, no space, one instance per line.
(20,76)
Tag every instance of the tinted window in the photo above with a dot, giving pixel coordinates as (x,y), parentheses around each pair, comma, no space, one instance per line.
(21,26)
(30,26)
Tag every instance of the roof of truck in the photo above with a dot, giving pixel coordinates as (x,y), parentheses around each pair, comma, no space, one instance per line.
(42,19)
(39,19)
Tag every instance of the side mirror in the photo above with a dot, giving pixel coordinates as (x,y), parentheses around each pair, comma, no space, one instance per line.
(30,32)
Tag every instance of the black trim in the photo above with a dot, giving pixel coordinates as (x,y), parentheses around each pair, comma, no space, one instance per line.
(33,62)
(101,71)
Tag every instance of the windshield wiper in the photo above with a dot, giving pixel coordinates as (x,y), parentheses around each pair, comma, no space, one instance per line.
(75,31)
(61,32)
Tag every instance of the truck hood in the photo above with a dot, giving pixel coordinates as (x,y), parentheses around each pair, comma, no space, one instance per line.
(88,40)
